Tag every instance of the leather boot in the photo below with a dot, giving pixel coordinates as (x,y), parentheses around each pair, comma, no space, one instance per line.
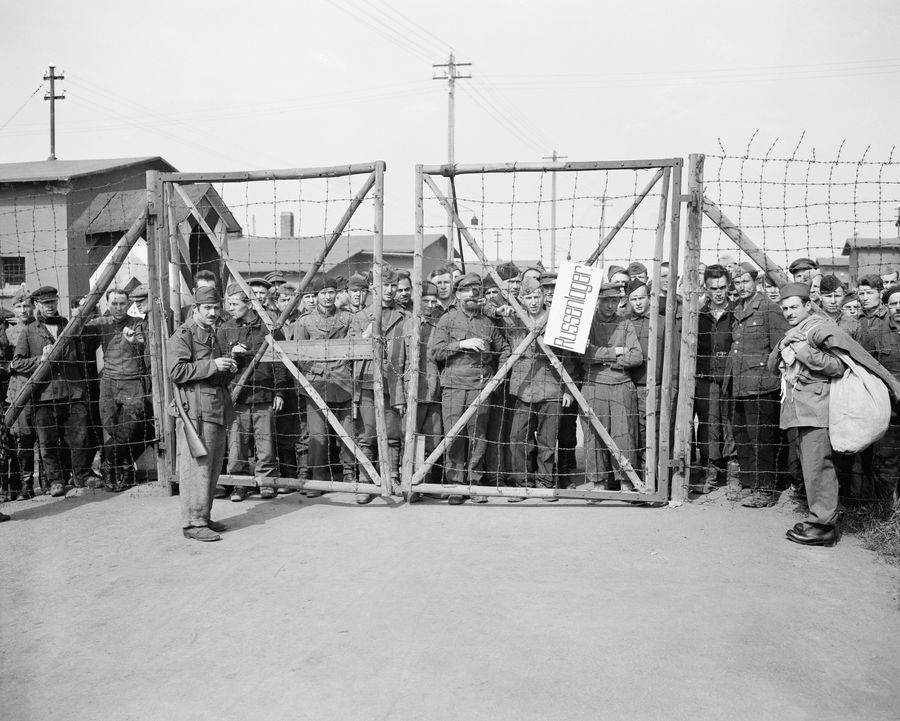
(126,476)
(107,476)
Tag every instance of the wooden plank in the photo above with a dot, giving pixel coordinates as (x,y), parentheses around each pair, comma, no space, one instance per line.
(233,479)
(377,340)
(448,170)
(624,219)
(333,171)
(309,351)
(569,493)
(743,241)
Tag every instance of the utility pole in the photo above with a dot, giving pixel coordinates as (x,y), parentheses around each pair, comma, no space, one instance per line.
(53,97)
(554,158)
(451,75)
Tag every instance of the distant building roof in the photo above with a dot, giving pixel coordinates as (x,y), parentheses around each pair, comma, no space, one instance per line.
(115,211)
(868,243)
(42,171)
(257,253)
(834,262)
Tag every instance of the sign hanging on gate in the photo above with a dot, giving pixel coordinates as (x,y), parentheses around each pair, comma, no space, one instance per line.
(573,307)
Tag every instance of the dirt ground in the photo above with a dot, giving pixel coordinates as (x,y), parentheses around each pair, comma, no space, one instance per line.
(327,610)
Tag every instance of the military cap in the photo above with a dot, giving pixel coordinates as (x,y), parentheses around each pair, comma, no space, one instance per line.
(635,268)
(388,274)
(467,281)
(610,290)
(358,282)
(613,269)
(286,289)
(888,292)
(850,297)
(829,284)
(548,279)
(21,296)
(429,288)
(802,264)
(529,285)
(746,267)
(340,282)
(206,294)
(488,281)
(790,290)
(320,283)
(276,276)
(633,285)
(235,289)
(139,292)
(45,292)
(508,270)
(259,281)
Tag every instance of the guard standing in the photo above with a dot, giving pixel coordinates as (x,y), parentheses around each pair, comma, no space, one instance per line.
(201,372)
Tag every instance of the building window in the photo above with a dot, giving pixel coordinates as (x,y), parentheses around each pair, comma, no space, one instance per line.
(12,270)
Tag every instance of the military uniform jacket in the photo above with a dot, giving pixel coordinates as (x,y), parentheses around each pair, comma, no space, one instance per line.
(532,378)
(16,380)
(713,342)
(67,375)
(467,368)
(601,365)
(268,379)
(871,326)
(332,379)
(759,326)
(641,325)
(883,342)
(395,331)
(122,360)
(192,350)
(429,371)
(806,376)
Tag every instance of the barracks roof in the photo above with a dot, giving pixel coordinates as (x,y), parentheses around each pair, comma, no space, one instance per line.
(42,171)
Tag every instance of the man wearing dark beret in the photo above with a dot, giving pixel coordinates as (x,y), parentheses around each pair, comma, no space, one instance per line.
(758,327)
(61,411)
(471,347)
(201,371)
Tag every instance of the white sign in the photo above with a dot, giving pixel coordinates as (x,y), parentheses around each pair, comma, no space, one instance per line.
(572,310)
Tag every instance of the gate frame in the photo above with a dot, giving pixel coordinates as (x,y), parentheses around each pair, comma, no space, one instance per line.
(162,187)
(658,490)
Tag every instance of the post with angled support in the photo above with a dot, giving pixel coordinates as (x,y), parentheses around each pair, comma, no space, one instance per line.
(684,414)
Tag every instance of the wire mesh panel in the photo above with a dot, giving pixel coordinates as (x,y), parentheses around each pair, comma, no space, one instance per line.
(501,408)
(777,213)
(297,258)
(75,381)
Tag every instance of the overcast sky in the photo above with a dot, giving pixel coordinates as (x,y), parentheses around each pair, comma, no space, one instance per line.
(238,85)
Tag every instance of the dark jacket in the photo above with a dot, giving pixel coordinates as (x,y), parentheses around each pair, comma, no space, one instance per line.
(191,352)
(759,326)
(467,368)
(713,343)
(641,325)
(122,360)
(532,378)
(601,364)
(394,330)
(429,372)
(67,376)
(269,379)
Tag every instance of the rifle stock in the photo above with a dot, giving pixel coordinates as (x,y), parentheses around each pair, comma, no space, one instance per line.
(194,441)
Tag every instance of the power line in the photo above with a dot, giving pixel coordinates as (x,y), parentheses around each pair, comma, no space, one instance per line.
(22,106)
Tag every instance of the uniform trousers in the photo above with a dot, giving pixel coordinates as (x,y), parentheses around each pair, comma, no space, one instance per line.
(24,438)
(292,439)
(198,476)
(124,411)
(63,431)
(534,425)
(756,437)
(616,407)
(498,456)
(465,455)
(253,428)
(320,435)
(715,440)
(430,430)
(568,440)
(813,447)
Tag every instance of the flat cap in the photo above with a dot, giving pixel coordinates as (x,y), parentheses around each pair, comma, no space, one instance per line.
(276,276)
(803,264)
(746,267)
(45,292)
(429,288)
(610,290)
(139,292)
(829,284)
(530,285)
(508,270)
(206,294)
(467,280)
(790,290)
(259,281)
(235,289)
(636,268)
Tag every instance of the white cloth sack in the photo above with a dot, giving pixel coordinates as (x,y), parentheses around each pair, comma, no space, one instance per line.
(859,407)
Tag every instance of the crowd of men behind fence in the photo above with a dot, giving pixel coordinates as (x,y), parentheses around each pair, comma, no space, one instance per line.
(760,387)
